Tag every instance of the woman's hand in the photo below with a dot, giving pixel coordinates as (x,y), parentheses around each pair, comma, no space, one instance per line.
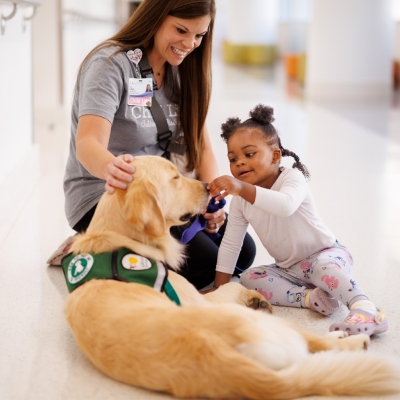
(214,220)
(119,172)
(92,138)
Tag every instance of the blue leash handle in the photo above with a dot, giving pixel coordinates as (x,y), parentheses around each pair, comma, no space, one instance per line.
(200,222)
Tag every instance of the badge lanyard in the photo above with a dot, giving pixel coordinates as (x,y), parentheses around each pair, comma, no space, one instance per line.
(143,69)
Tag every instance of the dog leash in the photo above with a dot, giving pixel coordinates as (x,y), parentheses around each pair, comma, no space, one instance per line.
(200,222)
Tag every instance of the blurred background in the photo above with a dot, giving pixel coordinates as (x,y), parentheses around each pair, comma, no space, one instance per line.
(320,51)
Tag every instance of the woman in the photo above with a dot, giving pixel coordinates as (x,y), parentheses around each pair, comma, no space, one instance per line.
(170,42)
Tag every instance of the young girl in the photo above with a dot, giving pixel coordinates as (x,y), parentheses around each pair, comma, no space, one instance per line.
(312,269)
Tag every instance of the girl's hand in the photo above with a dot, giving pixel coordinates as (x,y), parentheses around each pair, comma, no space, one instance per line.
(119,172)
(225,185)
(214,220)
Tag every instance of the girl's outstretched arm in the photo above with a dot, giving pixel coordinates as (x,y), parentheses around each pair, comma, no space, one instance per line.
(228,185)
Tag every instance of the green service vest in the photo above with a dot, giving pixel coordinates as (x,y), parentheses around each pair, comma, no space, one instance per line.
(122,265)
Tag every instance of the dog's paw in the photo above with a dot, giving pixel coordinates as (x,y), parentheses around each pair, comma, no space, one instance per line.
(259,302)
(363,341)
(355,342)
(337,334)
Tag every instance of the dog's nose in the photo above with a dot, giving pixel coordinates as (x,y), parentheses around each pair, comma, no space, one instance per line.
(205,184)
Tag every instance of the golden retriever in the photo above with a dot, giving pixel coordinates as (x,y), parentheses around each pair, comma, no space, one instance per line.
(213,345)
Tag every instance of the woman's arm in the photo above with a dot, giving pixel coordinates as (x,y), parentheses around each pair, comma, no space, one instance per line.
(92,137)
(206,172)
(208,168)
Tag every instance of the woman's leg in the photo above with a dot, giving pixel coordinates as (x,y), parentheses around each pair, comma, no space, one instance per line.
(202,254)
(63,248)
(246,255)
(84,222)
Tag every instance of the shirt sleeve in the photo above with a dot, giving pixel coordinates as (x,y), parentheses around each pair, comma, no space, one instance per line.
(101,86)
(233,239)
(285,196)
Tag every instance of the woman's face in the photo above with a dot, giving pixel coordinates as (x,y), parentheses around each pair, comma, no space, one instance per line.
(178,37)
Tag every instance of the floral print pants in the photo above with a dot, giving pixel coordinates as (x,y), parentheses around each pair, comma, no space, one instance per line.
(330,269)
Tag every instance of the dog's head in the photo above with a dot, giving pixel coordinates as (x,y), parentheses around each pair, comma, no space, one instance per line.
(160,197)
(140,217)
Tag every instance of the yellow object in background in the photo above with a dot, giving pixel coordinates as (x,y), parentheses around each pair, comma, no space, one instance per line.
(249,54)
(301,68)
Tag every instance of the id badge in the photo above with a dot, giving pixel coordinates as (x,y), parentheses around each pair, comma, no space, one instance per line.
(140,92)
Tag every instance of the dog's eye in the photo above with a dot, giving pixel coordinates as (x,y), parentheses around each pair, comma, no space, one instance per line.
(177,176)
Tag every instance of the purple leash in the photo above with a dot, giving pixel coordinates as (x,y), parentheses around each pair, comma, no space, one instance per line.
(200,222)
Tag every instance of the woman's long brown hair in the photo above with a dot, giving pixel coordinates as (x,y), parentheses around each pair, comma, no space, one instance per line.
(192,91)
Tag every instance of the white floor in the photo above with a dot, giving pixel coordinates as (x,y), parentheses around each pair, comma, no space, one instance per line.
(353,153)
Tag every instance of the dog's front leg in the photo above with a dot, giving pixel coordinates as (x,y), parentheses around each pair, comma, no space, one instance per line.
(236,293)
(187,293)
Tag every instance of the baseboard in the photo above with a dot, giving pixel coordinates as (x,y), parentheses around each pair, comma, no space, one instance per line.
(17,187)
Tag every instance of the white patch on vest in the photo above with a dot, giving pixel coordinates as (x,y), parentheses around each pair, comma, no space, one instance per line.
(79,267)
(134,262)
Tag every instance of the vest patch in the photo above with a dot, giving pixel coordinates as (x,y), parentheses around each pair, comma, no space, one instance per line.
(79,267)
(134,262)
(121,265)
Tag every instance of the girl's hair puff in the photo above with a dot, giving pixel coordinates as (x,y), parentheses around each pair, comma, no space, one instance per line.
(261,118)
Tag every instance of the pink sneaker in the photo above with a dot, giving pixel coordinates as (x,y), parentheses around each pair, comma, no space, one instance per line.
(360,321)
(322,302)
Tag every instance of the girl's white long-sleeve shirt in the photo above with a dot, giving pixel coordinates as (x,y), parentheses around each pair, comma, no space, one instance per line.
(284,218)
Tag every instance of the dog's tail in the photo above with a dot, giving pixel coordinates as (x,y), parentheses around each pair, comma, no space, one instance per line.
(352,373)
(329,373)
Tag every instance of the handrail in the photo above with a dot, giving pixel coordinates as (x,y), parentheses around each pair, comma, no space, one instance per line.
(23,2)
(15,3)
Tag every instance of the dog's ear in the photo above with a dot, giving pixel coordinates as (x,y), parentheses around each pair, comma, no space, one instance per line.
(143,210)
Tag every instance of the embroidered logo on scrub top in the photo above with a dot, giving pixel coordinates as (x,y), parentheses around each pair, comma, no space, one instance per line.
(135,262)
(79,267)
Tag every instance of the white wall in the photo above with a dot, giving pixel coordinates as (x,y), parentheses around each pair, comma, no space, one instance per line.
(85,24)
(16,136)
(252,22)
(350,49)
(396,42)
(47,61)
(19,166)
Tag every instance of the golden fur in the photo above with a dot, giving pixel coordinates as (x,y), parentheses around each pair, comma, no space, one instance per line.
(213,346)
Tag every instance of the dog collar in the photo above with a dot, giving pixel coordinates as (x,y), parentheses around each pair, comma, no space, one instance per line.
(121,265)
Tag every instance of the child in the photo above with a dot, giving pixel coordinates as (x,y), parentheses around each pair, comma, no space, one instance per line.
(312,269)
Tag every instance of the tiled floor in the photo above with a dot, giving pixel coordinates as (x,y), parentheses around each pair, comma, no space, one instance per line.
(353,153)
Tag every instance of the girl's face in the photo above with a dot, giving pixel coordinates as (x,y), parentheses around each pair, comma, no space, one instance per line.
(251,159)
(178,37)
